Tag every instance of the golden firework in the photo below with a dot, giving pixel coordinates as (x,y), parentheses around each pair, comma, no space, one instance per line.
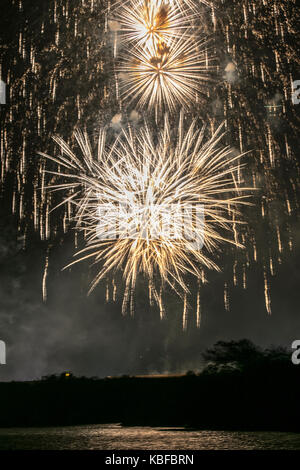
(150,22)
(136,202)
(166,75)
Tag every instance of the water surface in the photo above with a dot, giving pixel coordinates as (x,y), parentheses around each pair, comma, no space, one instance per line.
(115,437)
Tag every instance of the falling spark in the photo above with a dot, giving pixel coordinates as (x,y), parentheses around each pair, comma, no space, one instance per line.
(267,294)
(198,310)
(45,275)
(226,297)
(185,311)
(107,293)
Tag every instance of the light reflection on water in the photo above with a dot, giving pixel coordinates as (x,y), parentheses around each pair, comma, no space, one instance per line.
(115,437)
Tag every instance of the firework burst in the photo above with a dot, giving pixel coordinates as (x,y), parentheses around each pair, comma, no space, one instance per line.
(133,202)
(165,76)
(151,22)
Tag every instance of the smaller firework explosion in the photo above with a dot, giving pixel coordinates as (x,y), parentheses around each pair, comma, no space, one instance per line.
(165,76)
(156,204)
(151,22)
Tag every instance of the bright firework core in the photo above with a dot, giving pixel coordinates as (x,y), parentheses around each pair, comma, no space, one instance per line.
(150,202)
(152,222)
(165,76)
(146,23)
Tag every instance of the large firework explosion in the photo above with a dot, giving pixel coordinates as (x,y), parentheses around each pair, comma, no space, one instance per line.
(148,186)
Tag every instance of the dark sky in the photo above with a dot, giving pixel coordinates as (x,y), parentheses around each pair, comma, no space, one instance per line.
(84,334)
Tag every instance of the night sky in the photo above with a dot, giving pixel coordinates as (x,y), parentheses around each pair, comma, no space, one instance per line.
(57,60)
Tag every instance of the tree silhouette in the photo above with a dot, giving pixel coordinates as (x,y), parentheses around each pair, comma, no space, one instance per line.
(239,354)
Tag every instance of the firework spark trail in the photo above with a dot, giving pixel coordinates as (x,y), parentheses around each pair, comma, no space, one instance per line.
(146,169)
